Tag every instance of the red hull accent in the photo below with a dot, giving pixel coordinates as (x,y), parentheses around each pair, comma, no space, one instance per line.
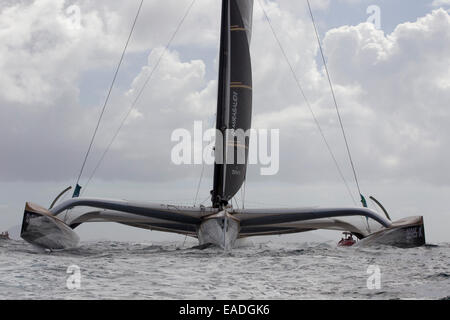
(346,243)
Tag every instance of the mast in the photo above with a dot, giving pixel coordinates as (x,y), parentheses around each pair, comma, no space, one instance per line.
(219,166)
(234,101)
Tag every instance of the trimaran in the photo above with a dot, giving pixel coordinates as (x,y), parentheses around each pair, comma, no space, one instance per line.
(220,224)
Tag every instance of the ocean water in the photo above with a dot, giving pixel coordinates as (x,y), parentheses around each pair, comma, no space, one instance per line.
(130,270)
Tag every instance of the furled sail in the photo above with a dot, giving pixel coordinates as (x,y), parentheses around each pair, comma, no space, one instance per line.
(234,107)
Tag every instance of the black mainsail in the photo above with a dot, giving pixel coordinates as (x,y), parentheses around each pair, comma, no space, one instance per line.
(234,103)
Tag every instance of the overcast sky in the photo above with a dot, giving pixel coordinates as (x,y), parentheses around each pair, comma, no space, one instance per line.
(57,59)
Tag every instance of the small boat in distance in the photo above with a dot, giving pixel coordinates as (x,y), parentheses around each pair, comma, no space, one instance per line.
(4,236)
(347,240)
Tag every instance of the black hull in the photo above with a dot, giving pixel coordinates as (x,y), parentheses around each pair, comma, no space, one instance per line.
(42,229)
(407,233)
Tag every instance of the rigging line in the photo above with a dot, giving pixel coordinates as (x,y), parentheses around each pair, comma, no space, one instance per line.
(109,93)
(235,197)
(207,198)
(243,193)
(61,200)
(235,202)
(334,98)
(133,105)
(199,183)
(307,103)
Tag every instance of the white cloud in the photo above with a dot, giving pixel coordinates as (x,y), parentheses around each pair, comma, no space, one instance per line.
(402,81)
(440,3)
(43,56)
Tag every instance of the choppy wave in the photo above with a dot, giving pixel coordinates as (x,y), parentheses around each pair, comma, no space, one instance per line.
(130,270)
